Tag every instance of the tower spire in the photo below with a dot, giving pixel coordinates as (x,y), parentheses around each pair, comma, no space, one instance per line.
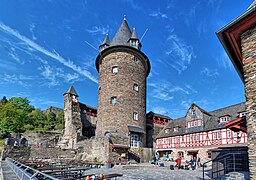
(71,91)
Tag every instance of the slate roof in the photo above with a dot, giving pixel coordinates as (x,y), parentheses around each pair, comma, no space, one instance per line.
(72,91)
(137,129)
(210,121)
(134,35)
(158,115)
(122,35)
(106,40)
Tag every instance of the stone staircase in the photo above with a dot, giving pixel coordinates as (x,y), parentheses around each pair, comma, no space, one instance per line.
(53,154)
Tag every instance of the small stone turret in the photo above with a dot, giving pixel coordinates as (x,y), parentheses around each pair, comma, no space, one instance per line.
(72,120)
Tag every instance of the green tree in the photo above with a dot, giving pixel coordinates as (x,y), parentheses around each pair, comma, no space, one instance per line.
(60,120)
(51,120)
(4,100)
(14,115)
(37,119)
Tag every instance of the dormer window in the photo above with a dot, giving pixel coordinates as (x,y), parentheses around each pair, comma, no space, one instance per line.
(193,112)
(224,119)
(167,131)
(133,42)
(241,114)
(114,70)
(176,129)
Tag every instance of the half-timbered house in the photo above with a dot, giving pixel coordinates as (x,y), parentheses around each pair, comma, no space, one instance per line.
(200,133)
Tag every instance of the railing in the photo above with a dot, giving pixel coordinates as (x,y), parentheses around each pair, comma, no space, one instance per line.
(226,163)
(25,172)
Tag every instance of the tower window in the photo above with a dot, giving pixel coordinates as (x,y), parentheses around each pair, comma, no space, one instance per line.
(135,87)
(113,100)
(133,43)
(115,70)
(136,60)
(135,116)
(134,140)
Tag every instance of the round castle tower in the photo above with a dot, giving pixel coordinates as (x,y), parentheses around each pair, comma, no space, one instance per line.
(123,70)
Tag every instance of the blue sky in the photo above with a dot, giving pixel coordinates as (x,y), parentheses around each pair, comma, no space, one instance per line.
(46,46)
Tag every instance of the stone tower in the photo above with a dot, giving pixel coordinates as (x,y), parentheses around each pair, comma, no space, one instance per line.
(72,119)
(239,40)
(123,69)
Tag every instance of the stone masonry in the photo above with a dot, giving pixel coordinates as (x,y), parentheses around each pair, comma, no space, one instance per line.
(114,118)
(248,43)
(73,124)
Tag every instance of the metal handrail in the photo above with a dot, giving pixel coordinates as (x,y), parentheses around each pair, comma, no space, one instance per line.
(217,157)
(21,170)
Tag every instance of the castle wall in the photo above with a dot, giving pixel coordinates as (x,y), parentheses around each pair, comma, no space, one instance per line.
(248,44)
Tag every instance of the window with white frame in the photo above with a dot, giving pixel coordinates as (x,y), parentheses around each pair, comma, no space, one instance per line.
(242,114)
(189,124)
(135,87)
(218,135)
(192,123)
(229,134)
(135,116)
(199,122)
(223,119)
(113,100)
(214,136)
(115,70)
(176,129)
(167,130)
(134,140)
(193,112)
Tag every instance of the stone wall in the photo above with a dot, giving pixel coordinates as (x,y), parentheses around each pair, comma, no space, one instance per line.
(145,154)
(95,148)
(47,139)
(248,43)
(201,152)
(114,118)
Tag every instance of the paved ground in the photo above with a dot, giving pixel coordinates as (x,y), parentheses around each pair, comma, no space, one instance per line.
(8,174)
(151,172)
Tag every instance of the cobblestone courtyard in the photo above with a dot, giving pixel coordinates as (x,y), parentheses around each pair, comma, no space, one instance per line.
(150,172)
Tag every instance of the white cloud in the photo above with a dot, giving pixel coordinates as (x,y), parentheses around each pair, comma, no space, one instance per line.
(158,14)
(98,30)
(179,52)
(189,87)
(31,29)
(164,90)
(133,4)
(68,63)
(209,73)
(201,103)
(12,53)
(161,110)
(56,76)
(224,61)
(15,79)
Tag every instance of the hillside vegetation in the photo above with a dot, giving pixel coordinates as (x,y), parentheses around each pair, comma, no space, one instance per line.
(17,115)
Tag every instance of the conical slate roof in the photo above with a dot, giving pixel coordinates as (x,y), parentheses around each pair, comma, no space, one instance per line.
(72,91)
(106,40)
(122,35)
(134,35)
